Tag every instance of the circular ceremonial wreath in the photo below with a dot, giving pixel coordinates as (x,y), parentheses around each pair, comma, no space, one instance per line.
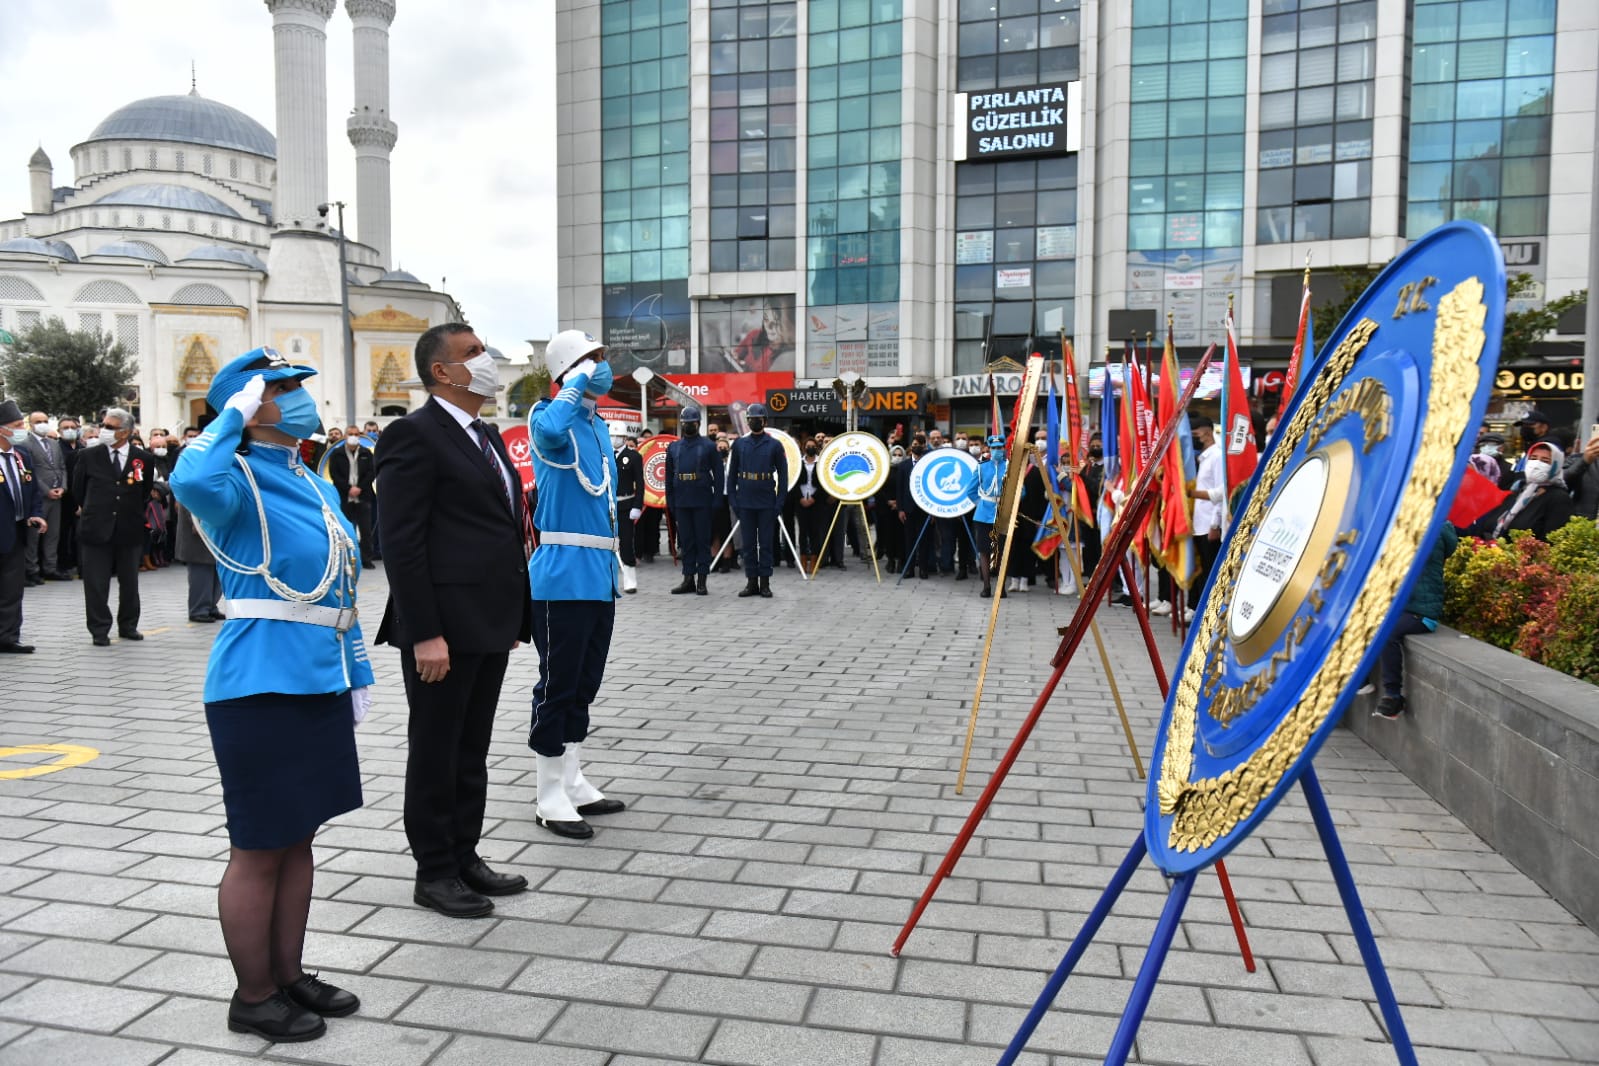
(1336,523)
(853,466)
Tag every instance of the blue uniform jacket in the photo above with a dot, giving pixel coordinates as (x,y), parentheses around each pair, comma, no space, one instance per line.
(990,477)
(757,473)
(693,473)
(564,431)
(255,655)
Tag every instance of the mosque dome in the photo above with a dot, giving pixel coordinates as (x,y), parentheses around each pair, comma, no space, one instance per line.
(401,279)
(191,119)
(131,249)
(175,197)
(44,248)
(218,253)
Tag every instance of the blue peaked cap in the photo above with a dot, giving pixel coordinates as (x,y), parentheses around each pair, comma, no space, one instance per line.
(264,361)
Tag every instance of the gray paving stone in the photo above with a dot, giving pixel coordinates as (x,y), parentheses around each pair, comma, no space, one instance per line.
(82,960)
(356,1041)
(626,1029)
(77,1005)
(750,1043)
(486,1051)
(78,919)
(65,1046)
(884,1013)
(735,997)
(475,1010)
(577,979)
(462,966)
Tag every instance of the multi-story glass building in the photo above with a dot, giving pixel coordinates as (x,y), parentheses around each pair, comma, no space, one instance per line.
(757,194)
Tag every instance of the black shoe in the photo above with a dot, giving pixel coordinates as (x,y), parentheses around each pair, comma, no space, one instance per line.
(961,574)
(601,806)
(218,616)
(924,575)
(57,575)
(988,590)
(751,588)
(1390,707)
(699,586)
(1122,600)
(765,588)
(276,1018)
(33,582)
(484,881)
(130,634)
(451,898)
(16,649)
(204,619)
(316,995)
(102,642)
(578,830)
(686,585)
(368,564)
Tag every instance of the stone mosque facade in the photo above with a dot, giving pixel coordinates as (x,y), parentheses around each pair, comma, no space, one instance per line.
(191,234)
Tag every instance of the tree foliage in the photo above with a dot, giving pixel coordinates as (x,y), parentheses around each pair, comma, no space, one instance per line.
(66,372)
(1523,329)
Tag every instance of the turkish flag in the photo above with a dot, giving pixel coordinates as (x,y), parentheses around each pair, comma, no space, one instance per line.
(1476,497)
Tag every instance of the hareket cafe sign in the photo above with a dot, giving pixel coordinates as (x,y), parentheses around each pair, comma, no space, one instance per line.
(1042,120)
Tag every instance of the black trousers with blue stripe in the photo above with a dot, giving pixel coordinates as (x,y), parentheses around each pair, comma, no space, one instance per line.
(573,638)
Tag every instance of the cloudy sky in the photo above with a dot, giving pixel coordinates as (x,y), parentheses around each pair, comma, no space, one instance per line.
(472,86)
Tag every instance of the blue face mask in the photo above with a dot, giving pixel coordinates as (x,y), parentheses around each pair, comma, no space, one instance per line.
(298,414)
(600,381)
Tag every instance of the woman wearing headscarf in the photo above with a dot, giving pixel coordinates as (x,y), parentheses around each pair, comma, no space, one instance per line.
(287,680)
(1543,505)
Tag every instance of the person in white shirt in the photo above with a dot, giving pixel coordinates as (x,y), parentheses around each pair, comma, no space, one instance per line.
(1207,493)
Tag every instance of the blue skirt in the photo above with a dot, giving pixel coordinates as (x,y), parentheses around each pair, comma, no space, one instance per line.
(288,765)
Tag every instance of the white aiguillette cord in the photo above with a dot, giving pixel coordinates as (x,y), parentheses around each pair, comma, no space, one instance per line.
(340,546)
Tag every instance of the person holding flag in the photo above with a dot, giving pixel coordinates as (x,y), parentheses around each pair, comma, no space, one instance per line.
(1208,494)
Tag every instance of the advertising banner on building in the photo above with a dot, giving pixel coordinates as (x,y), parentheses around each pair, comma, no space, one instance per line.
(852,338)
(1012,123)
(646,324)
(753,334)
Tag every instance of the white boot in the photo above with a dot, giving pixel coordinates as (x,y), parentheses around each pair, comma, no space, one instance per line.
(577,787)
(629,578)
(554,805)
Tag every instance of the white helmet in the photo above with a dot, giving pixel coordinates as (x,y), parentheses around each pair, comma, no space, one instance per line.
(567,349)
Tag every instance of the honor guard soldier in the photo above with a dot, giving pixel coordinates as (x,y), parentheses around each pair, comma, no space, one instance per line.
(757,482)
(990,476)
(629,506)
(574,577)
(693,485)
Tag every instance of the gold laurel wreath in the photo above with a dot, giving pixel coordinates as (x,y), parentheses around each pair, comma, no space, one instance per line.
(1204,811)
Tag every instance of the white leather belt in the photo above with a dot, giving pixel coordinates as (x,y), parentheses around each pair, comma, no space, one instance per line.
(339,618)
(580,540)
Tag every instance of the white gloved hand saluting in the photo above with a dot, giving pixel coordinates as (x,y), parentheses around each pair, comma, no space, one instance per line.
(361,702)
(586,369)
(634,515)
(247,401)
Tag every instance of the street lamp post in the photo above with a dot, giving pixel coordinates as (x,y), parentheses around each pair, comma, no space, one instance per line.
(344,314)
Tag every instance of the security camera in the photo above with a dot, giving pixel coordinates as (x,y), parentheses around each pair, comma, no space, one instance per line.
(322,209)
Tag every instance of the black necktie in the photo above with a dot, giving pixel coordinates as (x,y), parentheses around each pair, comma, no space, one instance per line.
(15,476)
(482,432)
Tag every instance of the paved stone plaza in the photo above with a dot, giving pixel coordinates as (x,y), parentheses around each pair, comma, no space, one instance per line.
(790,767)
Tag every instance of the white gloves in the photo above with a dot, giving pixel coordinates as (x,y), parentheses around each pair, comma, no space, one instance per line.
(1118,497)
(586,368)
(361,702)
(634,515)
(247,401)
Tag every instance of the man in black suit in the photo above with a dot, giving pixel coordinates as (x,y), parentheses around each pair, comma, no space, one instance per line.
(459,601)
(112,483)
(21,510)
(352,469)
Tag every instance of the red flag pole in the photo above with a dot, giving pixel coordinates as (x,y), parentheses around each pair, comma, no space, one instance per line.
(1116,544)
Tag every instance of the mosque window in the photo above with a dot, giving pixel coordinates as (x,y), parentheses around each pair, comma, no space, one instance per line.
(152,159)
(116,218)
(213,227)
(166,221)
(127,159)
(138,220)
(258,177)
(235,232)
(26,319)
(177,160)
(191,225)
(105,159)
(205,162)
(233,168)
(89,322)
(128,333)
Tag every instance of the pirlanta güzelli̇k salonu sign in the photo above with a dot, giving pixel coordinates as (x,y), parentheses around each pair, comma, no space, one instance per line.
(1010,123)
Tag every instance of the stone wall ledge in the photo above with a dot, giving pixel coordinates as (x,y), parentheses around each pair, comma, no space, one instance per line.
(1511,748)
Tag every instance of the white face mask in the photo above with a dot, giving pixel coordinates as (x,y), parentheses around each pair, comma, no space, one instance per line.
(161,450)
(69,434)
(1537,471)
(1490,449)
(107,436)
(19,436)
(485,375)
(41,428)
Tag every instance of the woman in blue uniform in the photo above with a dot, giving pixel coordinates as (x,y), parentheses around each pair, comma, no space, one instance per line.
(287,680)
